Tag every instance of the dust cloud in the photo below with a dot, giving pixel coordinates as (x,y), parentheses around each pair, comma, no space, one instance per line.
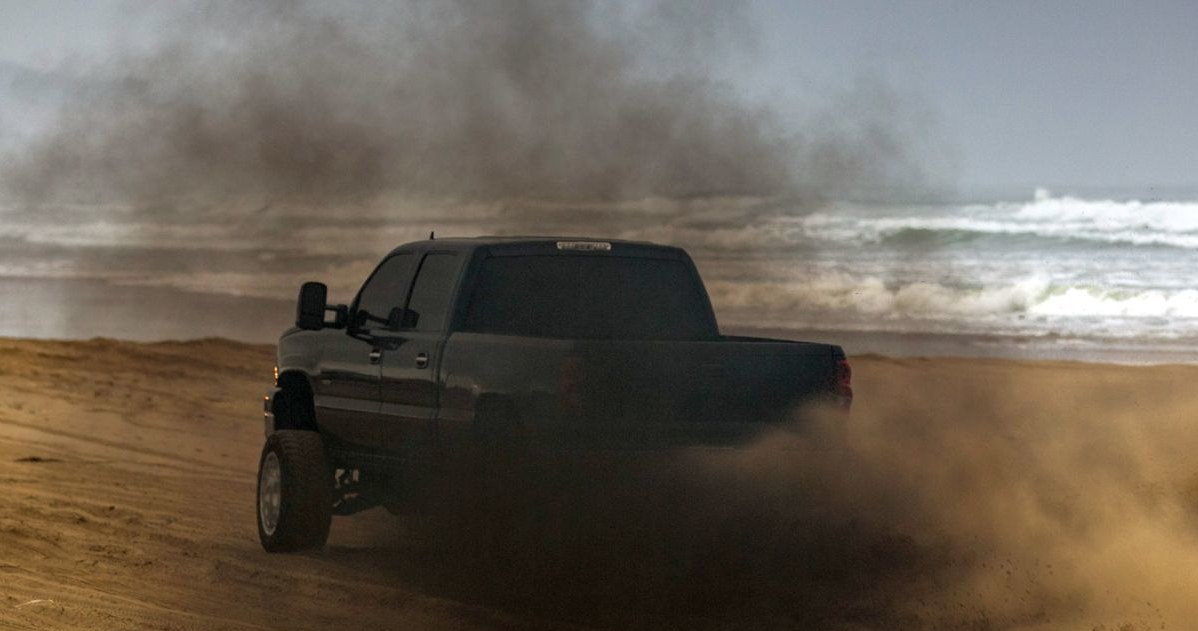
(1017,497)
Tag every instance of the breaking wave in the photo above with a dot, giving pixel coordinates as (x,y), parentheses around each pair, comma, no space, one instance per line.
(1135,223)
(874,296)
(1023,303)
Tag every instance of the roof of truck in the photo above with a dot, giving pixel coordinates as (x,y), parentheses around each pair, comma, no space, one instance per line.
(516,242)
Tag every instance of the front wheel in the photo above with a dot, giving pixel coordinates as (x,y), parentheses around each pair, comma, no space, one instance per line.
(295,492)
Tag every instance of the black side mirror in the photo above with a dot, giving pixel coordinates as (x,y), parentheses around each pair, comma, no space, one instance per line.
(309,309)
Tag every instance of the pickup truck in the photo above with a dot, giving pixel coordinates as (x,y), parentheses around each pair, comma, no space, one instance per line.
(460,345)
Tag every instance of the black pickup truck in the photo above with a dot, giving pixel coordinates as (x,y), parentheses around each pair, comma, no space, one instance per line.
(454,345)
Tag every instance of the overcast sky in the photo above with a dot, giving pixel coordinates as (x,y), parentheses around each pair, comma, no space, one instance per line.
(1084,94)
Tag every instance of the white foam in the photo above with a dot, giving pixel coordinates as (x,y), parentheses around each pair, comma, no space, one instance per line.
(873,296)
(1030,305)
(1169,223)
(1102,302)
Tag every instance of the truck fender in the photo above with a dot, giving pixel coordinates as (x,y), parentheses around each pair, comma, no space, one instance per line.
(290,405)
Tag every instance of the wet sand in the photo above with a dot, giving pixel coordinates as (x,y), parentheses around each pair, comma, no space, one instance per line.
(962,493)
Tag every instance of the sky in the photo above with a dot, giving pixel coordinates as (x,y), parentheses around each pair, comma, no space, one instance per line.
(1081,94)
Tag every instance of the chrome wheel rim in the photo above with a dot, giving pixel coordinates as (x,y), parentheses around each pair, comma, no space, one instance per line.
(270,493)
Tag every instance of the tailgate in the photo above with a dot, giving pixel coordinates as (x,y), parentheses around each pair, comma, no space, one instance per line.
(710,392)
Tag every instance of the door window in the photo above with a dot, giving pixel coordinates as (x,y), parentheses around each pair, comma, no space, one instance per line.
(433,291)
(386,290)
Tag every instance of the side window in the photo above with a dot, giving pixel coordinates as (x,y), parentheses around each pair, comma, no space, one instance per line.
(385,290)
(433,291)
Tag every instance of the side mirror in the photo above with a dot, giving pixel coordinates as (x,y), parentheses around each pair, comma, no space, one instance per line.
(309,309)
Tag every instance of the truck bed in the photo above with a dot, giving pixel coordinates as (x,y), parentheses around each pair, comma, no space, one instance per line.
(639,394)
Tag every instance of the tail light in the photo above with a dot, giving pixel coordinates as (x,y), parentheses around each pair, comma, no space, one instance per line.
(570,383)
(844,383)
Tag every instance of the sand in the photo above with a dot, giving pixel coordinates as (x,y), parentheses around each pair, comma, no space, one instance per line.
(961,493)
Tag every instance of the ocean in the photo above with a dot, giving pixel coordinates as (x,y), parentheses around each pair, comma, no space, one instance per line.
(1047,275)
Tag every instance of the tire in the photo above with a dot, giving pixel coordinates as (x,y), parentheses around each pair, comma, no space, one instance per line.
(295,492)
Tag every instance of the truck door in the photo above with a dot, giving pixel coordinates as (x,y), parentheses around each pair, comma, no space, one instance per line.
(347,391)
(412,355)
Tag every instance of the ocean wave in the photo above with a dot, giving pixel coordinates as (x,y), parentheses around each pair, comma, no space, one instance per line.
(1104,302)
(117,234)
(343,281)
(875,297)
(1135,223)
(328,238)
(965,232)
(1172,224)
(1032,297)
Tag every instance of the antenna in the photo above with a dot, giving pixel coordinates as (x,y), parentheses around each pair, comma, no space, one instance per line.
(432,234)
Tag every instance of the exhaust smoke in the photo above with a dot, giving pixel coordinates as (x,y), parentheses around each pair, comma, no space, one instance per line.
(289,102)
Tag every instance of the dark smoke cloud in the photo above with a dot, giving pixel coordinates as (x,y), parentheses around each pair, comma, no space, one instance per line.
(462,99)
(519,99)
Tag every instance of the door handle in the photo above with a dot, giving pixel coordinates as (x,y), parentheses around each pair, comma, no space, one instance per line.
(422,360)
(375,356)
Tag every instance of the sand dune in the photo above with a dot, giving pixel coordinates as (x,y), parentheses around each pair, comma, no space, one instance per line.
(981,494)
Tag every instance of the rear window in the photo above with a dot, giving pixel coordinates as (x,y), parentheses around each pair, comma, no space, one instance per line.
(589,297)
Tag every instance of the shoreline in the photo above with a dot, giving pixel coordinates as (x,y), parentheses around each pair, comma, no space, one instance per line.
(82,309)
(858,345)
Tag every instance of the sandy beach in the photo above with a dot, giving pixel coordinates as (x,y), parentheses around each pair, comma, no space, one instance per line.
(128,477)
(960,493)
